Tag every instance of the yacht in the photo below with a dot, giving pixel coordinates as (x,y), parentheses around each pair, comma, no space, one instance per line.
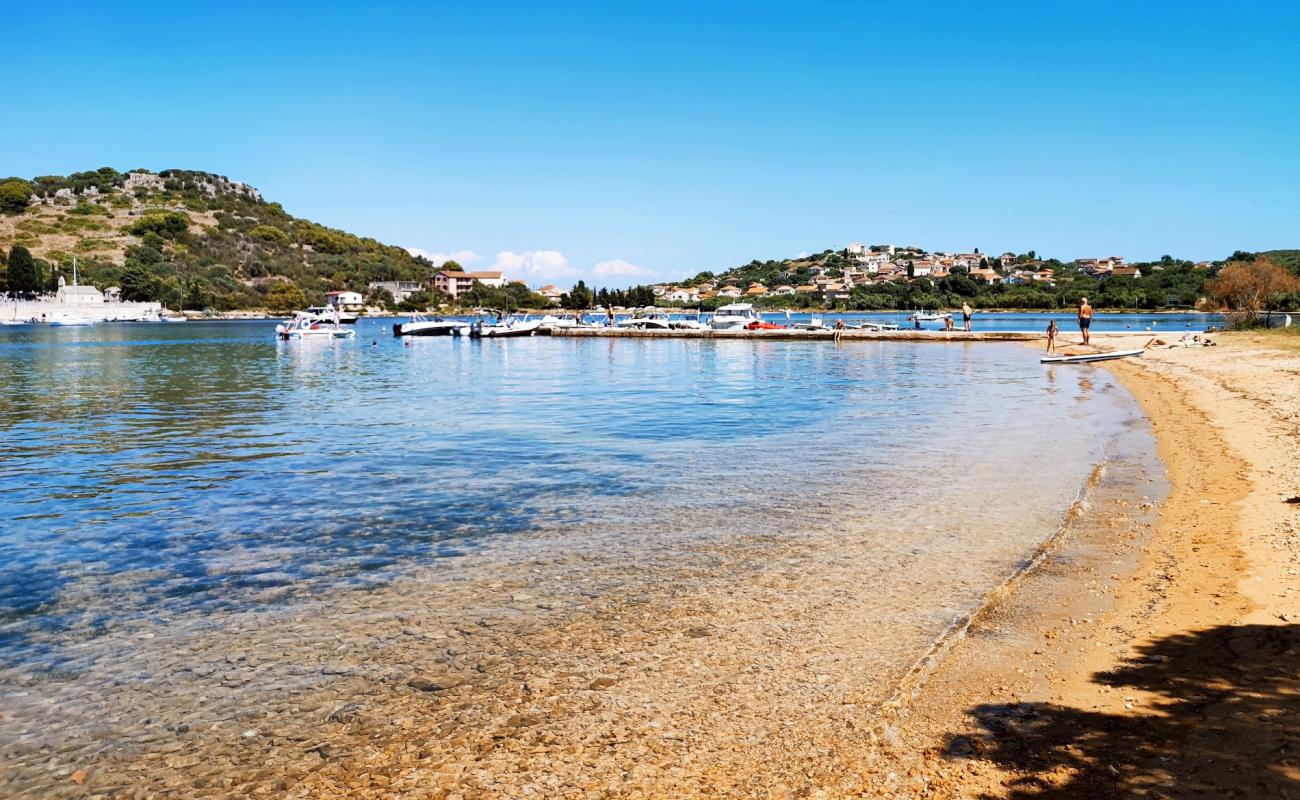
(735,317)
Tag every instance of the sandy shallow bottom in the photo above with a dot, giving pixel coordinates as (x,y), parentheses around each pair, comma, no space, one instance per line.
(769,667)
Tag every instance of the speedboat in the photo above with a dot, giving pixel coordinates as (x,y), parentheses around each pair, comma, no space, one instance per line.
(735,317)
(423,326)
(513,326)
(653,321)
(929,316)
(814,324)
(71,322)
(568,323)
(310,326)
(328,312)
(876,327)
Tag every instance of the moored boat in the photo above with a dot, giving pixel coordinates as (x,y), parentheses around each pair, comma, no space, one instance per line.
(310,326)
(735,317)
(424,326)
(505,328)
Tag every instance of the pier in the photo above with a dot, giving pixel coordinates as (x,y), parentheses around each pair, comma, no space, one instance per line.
(802,335)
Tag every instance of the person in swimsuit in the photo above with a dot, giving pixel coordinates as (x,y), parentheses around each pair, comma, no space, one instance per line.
(1085,318)
(1051,336)
(966,311)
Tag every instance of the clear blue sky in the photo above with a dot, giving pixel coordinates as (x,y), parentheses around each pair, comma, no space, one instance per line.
(686,136)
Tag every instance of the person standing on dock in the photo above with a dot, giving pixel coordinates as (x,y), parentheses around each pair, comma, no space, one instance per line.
(966,311)
(1085,318)
(609,315)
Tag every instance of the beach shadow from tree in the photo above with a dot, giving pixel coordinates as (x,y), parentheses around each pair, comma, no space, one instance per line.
(1225,722)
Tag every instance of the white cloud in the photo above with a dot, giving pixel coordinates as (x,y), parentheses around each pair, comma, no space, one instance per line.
(535,265)
(459,256)
(618,268)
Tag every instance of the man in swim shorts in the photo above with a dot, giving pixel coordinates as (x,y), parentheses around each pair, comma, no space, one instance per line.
(1085,318)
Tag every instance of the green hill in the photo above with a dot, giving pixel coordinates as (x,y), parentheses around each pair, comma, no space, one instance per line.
(187,238)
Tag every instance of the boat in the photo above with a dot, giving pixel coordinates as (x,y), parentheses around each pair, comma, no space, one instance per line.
(652,321)
(423,326)
(511,327)
(1084,359)
(734,317)
(178,318)
(760,325)
(310,326)
(929,316)
(71,322)
(877,327)
(814,324)
(327,312)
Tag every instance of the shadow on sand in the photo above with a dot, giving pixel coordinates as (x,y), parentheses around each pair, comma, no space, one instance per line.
(1222,720)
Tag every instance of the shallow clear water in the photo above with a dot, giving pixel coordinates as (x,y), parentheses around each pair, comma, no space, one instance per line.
(204,471)
(197,465)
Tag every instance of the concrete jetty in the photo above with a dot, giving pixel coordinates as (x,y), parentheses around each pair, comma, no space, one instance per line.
(802,335)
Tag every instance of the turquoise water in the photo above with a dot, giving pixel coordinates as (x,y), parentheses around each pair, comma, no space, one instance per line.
(169,486)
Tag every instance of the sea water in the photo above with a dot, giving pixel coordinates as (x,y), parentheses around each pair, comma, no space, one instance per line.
(197,518)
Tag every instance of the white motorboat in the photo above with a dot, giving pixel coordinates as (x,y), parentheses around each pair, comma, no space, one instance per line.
(509,327)
(71,322)
(177,318)
(813,324)
(878,326)
(929,316)
(310,326)
(423,326)
(653,321)
(735,317)
(329,312)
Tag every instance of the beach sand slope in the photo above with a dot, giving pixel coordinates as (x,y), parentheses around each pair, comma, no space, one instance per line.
(1173,676)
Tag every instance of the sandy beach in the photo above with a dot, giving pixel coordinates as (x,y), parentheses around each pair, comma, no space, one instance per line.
(1171,674)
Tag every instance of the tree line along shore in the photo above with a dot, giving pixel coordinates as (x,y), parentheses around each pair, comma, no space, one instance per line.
(198,241)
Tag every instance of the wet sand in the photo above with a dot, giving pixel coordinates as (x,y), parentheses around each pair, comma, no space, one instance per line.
(1177,678)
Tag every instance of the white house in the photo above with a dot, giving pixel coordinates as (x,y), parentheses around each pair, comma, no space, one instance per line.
(678,295)
(345,301)
(552,294)
(400,290)
(855,249)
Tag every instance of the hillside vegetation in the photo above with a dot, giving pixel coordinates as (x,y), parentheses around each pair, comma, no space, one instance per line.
(189,239)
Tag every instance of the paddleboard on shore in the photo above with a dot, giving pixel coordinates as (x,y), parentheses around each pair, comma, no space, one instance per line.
(1092,357)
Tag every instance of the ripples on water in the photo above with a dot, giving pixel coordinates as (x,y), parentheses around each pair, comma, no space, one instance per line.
(206,467)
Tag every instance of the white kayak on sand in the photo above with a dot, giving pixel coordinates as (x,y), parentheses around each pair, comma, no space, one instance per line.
(1091,357)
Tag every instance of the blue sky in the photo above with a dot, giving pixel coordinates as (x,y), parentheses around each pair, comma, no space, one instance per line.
(621,142)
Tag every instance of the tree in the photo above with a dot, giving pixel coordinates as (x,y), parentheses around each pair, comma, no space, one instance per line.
(15,194)
(284,297)
(23,275)
(579,297)
(1250,286)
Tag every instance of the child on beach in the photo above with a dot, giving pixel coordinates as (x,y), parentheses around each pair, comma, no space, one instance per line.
(1051,336)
